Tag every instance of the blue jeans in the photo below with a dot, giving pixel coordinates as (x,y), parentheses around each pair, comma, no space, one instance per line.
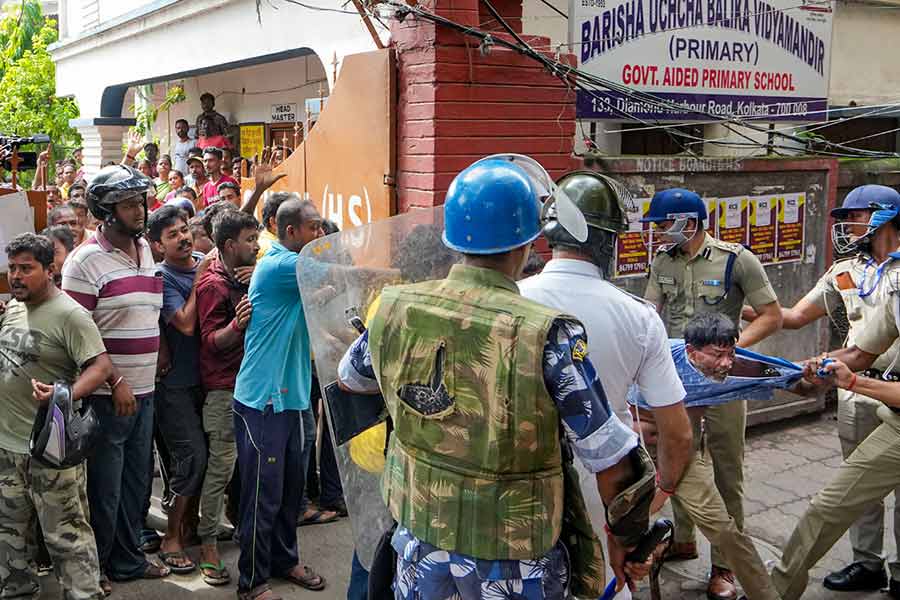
(270,465)
(359,580)
(117,481)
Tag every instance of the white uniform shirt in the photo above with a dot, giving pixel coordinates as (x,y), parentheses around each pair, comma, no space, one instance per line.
(627,340)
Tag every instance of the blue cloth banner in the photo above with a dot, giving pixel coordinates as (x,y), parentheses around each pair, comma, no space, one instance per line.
(754,377)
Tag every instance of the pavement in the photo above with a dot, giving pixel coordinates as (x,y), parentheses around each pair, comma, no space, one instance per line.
(786,464)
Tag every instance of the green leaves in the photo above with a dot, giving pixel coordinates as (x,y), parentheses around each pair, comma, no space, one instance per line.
(146,113)
(28,101)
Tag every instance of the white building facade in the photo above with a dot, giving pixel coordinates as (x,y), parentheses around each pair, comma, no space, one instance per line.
(250,62)
(108,48)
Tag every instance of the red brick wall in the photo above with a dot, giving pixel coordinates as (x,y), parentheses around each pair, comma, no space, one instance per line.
(456,106)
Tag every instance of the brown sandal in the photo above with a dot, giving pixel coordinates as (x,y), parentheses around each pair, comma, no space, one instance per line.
(310,580)
(258,593)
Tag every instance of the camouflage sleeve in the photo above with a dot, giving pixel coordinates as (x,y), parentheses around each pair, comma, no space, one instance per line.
(598,437)
(355,369)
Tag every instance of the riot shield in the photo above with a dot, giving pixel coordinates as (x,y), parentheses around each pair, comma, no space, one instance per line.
(341,277)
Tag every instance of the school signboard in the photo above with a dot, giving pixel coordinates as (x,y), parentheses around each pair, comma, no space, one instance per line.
(753,59)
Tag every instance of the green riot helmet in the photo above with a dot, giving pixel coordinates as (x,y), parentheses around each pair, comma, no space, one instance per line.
(605,204)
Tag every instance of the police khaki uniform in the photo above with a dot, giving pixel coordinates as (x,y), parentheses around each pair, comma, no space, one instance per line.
(857,419)
(860,285)
(720,277)
(869,430)
(869,474)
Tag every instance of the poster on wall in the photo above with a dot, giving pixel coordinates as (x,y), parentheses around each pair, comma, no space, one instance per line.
(631,249)
(712,216)
(791,217)
(763,218)
(767,59)
(253,139)
(734,219)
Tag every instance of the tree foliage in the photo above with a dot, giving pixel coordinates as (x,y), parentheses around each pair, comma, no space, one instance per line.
(28,101)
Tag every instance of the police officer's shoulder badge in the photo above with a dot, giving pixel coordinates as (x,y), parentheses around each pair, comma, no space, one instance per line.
(728,246)
(579,350)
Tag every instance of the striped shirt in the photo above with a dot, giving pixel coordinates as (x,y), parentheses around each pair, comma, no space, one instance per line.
(124,299)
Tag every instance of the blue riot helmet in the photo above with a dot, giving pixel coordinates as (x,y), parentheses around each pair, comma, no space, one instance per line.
(679,206)
(492,207)
(853,236)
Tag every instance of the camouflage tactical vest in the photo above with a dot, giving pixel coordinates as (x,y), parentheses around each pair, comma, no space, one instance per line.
(474,463)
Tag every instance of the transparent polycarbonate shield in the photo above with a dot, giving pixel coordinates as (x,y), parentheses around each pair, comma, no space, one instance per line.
(341,277)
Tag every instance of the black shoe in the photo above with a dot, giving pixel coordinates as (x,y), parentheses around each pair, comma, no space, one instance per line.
(856,577)
(894,589)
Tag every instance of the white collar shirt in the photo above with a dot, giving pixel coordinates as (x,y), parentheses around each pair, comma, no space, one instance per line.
(627,341)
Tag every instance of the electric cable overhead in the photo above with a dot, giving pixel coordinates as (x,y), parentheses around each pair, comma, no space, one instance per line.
(592,84)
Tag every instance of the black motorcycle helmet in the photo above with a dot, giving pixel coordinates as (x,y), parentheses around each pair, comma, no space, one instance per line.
(62,437)
(112,185)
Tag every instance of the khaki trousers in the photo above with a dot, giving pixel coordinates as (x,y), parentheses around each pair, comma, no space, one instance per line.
(218,423)
(725,426)
(857,419)
(701,502)
(869,474)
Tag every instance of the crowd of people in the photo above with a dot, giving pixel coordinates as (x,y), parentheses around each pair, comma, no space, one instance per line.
(161,265)
(176,317)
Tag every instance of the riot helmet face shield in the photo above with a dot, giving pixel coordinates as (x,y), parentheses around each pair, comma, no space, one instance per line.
(602,202)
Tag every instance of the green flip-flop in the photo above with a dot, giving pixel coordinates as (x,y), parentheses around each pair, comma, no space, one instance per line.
(220,574)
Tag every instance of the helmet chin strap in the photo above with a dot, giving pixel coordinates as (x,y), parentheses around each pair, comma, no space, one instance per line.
(112,221)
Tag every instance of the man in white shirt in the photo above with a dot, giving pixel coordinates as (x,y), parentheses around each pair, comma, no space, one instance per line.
(181,147)
(628,345)
(627,341)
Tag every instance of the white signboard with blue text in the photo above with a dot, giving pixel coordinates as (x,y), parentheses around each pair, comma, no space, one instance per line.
(765,59)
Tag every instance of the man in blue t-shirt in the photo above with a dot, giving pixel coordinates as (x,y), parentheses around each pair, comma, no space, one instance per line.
(272,388)
(178,397)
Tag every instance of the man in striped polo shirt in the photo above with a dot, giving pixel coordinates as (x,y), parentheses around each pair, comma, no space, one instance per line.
(114,277)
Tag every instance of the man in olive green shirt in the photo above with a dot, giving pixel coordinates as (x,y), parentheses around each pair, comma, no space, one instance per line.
(45,337)
(700,274)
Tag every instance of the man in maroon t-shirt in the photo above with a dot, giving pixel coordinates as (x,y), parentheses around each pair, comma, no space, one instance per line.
(224,313)
(212,160)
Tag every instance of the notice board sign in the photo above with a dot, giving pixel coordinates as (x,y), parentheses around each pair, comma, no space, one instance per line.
(767,59)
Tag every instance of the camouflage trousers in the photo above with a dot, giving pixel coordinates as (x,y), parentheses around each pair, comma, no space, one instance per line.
(58,500)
